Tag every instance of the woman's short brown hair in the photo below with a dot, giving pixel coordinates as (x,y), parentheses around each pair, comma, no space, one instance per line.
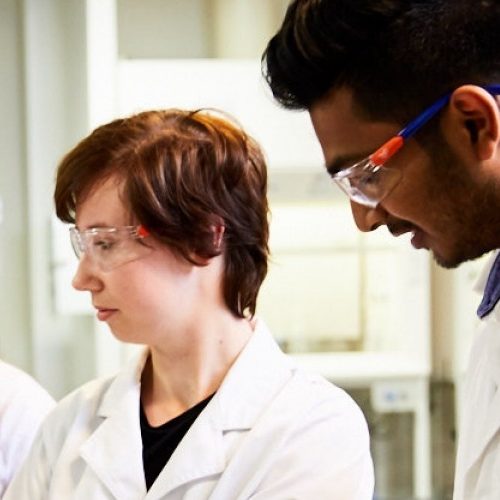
(183,173)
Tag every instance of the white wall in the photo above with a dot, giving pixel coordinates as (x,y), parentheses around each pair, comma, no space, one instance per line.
(154,29)
(14,295)
(55,112)
(180,29)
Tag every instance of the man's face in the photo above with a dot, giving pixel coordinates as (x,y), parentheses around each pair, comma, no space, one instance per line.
(447,209)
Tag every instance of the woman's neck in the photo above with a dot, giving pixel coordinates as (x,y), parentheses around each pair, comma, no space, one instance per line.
(178,376)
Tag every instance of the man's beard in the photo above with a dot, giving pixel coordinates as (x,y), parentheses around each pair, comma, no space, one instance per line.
(471,209)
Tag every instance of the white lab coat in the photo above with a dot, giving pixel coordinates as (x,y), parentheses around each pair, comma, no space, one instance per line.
(23,406)
(270,432)
(477,474)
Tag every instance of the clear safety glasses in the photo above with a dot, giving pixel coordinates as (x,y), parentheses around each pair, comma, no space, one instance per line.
(110,247)
(369,181)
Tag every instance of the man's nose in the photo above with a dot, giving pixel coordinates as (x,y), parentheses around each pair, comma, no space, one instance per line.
(368,218)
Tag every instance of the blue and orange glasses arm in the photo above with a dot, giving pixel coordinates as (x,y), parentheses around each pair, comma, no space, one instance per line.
(393,145)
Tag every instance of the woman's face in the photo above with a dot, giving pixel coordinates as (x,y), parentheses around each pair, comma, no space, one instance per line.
(142,299)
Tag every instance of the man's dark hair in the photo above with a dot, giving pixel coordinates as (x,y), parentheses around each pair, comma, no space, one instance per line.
(397,56)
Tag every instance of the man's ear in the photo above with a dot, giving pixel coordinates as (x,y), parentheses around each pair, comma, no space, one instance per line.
(473,121)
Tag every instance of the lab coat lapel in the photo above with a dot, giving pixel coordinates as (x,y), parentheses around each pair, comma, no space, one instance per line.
(114,450)
(200,454)
(256,377)
(260,393)
(488,424)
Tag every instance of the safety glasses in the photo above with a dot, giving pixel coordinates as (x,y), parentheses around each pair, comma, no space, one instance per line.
(369,181)
(110,247)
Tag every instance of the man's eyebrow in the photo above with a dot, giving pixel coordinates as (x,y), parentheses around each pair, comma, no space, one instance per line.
(343,161)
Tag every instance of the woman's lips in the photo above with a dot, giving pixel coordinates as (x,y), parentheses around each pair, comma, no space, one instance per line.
(104,314)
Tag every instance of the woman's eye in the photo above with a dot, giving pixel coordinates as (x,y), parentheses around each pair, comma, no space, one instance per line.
(104,244)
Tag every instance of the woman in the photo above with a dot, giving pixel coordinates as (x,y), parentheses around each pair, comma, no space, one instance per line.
(171,231)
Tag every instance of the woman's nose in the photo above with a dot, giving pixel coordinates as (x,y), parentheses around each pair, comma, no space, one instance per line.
(86,278)
(368,218)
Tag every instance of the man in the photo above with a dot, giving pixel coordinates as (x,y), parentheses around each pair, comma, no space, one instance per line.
(403,97)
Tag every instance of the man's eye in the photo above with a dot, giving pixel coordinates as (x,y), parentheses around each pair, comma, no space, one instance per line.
(364,179)
(368,179)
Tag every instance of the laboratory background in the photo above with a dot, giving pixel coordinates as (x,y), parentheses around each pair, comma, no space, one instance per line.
(372,314)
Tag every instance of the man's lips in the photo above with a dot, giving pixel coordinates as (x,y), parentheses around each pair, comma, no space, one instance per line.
(400,229)
(417,238)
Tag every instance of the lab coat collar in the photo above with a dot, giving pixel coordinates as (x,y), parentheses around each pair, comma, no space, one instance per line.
(486,425)
(482,279)
(257,375)
(252,382)
(114,451)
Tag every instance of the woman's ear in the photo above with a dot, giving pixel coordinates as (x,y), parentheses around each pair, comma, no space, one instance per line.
(217,229)
(473,120)
(218,236)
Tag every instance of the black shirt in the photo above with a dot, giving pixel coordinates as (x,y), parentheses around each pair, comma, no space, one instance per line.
(158,443)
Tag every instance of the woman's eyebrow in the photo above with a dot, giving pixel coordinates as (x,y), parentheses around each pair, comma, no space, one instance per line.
(96,225)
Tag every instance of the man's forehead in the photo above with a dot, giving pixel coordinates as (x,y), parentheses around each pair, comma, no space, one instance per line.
(345,136)
(340,99)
